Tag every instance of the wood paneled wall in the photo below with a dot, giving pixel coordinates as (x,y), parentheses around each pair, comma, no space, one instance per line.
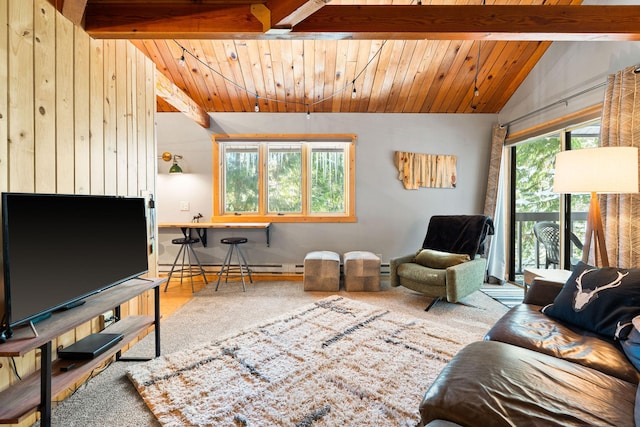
(76,116)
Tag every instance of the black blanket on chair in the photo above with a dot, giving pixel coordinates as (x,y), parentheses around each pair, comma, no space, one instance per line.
(460,234)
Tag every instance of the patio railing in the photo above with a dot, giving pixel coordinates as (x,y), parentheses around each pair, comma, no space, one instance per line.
(526,241)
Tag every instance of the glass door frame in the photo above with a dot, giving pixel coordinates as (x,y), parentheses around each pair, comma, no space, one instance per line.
(565,204)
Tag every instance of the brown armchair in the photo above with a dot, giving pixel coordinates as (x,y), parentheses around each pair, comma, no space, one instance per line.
(449,264)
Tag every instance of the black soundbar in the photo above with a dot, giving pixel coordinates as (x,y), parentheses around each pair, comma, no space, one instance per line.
(90,346)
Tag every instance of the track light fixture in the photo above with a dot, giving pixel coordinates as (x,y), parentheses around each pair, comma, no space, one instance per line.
(248,91)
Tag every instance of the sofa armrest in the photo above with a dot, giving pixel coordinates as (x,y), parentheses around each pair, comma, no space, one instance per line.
(542,292)
(394,263)
(490,383)
(442,423)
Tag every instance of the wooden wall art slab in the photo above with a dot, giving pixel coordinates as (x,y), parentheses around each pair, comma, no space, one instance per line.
(417,170)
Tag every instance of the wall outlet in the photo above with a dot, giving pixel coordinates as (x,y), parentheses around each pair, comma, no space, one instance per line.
(184,206)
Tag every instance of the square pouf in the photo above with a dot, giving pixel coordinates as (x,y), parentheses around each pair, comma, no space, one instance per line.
(361,271)
(322,271)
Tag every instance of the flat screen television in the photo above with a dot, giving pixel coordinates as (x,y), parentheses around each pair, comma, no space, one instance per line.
(60,249)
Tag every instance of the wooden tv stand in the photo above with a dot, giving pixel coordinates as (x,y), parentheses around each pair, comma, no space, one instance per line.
(34,392)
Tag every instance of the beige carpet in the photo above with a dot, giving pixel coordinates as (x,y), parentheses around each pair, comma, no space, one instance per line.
(111,400)
(330,363)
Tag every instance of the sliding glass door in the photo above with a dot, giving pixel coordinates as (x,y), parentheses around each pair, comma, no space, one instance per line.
(587,136)
(533,200)
(547,229)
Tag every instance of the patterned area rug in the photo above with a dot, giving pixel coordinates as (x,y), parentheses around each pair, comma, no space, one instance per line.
(334,362)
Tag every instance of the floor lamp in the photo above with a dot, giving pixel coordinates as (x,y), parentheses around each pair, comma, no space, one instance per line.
(595,171)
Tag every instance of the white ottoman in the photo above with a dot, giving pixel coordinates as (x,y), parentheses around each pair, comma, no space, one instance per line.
(322,271)
(361,271)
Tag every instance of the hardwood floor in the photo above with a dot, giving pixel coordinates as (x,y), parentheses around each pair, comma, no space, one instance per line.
(178,294)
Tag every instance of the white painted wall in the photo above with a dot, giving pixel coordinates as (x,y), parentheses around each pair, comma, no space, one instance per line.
(392,221)
(567,69)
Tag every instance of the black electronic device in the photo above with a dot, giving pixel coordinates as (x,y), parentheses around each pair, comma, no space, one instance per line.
(60,249)
(90,346)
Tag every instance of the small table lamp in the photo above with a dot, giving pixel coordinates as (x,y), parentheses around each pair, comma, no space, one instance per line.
(596,170)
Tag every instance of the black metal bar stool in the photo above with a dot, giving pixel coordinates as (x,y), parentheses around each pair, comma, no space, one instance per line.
(187,269)
(242,266)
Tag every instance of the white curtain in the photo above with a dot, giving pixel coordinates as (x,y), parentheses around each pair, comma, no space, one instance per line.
(495,208)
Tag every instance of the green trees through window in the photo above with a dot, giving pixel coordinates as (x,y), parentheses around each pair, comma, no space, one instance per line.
(282,178)
(241,179)
(534,199)
(327,180)
(284,187)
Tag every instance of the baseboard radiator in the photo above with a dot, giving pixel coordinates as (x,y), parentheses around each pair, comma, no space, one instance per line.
(265,269)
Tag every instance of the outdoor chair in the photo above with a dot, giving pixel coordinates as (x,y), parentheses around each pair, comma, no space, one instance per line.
(548,234)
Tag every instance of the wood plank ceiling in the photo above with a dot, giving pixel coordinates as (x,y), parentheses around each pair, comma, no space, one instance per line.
(398,56)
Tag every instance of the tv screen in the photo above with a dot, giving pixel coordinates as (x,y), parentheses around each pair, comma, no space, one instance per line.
(59,249)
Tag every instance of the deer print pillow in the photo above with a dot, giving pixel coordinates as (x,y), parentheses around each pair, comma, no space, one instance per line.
(601,300)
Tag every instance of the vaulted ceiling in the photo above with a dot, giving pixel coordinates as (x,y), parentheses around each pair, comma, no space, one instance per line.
(389,56)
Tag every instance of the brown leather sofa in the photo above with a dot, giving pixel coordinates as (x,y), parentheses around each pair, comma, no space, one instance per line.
(532,370)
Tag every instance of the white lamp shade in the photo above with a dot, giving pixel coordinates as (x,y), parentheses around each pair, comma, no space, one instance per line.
(597,170)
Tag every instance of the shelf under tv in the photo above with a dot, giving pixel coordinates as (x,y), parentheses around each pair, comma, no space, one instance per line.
(34,392)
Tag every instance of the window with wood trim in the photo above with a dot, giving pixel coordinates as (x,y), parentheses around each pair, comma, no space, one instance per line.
(284,178)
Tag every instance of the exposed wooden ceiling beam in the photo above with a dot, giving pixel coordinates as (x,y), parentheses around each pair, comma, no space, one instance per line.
(166,20)
(373,22)
(288,13)
(171,93)
(476,22)
(74,10)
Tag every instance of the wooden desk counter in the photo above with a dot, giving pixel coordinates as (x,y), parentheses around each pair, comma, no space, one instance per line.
(202,227)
